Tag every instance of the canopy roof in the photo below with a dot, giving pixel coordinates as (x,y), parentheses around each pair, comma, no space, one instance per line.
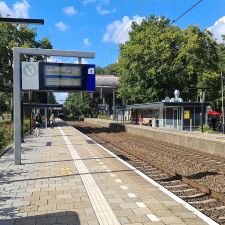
(109,81)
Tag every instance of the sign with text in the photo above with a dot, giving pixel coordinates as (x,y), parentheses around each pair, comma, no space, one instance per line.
(67,77)
(187,114)
(58,76)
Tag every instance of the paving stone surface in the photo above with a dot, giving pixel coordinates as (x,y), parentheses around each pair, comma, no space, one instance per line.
(67,179)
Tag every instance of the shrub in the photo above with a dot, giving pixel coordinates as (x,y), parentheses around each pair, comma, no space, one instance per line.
(206,128)
(3,137)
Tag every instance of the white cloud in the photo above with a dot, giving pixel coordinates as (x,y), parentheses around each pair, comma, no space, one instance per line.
(218,29)
(86,2)
(19,9)
(102,11)
(87,42)
(117,31)
(70,10)
(62,26)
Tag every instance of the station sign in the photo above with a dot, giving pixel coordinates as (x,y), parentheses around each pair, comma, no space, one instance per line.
(58,76)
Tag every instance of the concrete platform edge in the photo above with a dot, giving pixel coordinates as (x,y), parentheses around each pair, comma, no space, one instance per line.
(190,140)
(164,190)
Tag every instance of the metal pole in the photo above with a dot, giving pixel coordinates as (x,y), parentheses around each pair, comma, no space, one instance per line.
(46,117)
(46,109)
(222,101)
(17,107)
(30,110)
(80,62)
(202,100)
(114,103)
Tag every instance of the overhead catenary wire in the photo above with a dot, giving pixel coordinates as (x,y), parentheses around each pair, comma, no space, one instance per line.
(186,12)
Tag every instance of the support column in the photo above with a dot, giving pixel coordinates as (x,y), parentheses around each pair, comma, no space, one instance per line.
(17,107)
(30,110)
(80,62)
(114,104)
(46,117)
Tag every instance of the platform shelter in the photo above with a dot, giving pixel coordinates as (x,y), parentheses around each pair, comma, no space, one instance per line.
(106,86)
(174,115)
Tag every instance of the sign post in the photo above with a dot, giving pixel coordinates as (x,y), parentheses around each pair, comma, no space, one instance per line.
(17,52)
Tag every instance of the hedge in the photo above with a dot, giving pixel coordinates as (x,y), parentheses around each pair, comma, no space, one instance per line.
(6,133)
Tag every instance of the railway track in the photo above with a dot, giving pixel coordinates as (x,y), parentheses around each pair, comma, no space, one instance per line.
(202,196)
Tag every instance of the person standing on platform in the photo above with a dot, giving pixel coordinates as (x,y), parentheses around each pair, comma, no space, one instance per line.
(52,121)
(37,118)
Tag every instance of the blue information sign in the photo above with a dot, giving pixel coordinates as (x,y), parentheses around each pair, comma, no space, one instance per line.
(67,77)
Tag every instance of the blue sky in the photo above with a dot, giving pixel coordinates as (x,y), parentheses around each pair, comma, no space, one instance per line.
(100,25)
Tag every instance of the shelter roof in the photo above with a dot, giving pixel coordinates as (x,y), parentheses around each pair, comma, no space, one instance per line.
(106,80)
(156,105)
(43,106)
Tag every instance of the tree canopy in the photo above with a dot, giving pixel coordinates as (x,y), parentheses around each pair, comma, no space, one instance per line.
(159,58)
(81,104)
(15,36)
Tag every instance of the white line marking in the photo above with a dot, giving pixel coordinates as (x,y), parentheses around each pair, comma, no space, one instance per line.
(124,187)
(132,195)
(98,160)
(141,204)
(118,180)
(101,207)
(153,217)
(101,163)
(164,190)
(104,166)
(108,171)
(95,157)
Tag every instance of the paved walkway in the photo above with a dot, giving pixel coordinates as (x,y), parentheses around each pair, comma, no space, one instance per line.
(67,179)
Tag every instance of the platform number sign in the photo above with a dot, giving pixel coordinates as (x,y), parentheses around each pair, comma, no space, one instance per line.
(91,71)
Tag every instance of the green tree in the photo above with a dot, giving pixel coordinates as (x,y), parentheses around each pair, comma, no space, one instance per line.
(111,69)
(158,58)
(15,36)
(3,105)
(77,104)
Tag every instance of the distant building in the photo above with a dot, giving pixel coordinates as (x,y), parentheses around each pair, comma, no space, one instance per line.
(106,86)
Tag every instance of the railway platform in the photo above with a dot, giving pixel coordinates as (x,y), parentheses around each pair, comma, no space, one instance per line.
(66,178)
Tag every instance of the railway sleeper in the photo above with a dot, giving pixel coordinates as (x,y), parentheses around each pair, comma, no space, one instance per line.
(161,175)
(198,195)
(185,190)
(222,207)
(205,201)
(175,186)
(170,181)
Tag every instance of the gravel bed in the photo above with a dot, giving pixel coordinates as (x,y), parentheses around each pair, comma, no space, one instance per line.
(180,159)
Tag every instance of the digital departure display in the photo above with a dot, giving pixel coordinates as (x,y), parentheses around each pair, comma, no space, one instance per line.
(66,76)
(62,76)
